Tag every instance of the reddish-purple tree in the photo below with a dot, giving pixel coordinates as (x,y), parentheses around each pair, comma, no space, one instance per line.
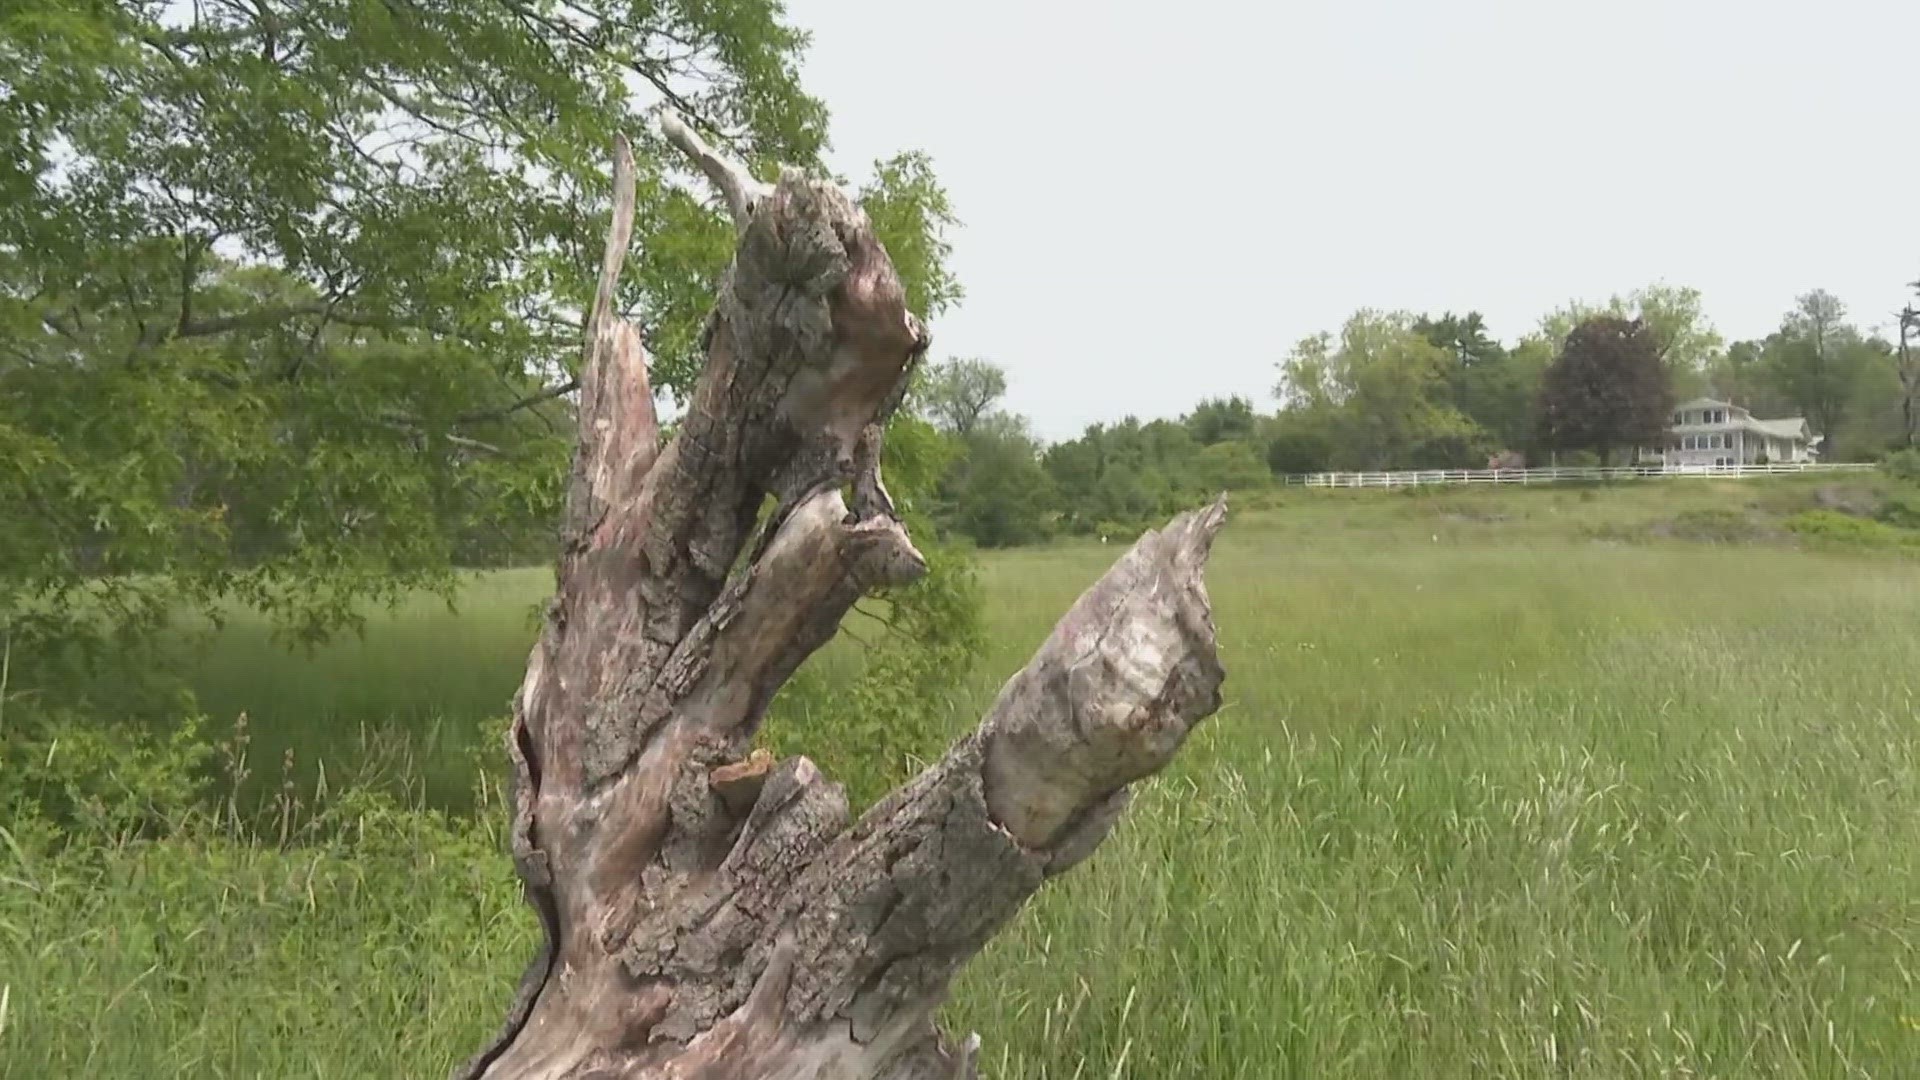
(1608,388)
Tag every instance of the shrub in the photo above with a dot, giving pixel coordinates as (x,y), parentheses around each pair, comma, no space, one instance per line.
(80,772)
(1830,527)
(1903,465)
(1901,509)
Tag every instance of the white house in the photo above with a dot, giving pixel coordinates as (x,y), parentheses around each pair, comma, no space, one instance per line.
(1709,432)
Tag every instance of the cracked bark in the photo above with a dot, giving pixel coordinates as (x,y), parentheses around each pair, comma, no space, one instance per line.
(713,915)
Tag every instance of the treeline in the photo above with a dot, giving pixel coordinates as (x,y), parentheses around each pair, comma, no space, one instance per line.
(1003,486)
(1395,390)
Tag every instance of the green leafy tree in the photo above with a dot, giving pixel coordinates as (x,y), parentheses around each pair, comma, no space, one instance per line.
(1117,478)
(958,394)
(1000,495)
(1382,394)
(1741,376)
(1465,337)
(1229,466)
(1219,420)
(1821,363)
(1491,385)
(1297,443)
(290,292)
(1608,389)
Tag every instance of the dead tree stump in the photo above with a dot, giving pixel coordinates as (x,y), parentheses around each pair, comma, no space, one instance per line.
(712,914)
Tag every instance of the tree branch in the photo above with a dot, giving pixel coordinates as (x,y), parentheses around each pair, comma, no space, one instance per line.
(734,182)
(527,402)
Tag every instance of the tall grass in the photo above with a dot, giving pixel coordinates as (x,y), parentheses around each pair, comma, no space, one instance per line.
(1489,797)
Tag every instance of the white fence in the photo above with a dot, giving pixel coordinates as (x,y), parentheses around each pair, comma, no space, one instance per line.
(1549,476)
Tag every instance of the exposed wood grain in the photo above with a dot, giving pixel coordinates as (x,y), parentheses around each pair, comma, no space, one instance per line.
(714,914)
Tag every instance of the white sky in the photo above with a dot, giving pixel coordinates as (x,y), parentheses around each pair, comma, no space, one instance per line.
(1158,200)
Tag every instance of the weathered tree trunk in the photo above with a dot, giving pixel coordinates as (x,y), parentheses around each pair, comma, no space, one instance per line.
(711,914)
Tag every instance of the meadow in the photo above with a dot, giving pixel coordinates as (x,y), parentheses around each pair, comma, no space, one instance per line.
(1613,782)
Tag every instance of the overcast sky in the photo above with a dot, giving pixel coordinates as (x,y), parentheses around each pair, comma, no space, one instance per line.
(1159,199)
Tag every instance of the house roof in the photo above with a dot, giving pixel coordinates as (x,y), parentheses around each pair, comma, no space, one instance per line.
(1793,427)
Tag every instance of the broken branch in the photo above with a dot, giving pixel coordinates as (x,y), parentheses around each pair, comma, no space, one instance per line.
(738,186)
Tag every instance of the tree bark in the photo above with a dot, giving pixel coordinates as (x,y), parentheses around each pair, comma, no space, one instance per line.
(712,914)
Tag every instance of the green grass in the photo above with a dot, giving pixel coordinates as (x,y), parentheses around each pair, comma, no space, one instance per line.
(1508,784)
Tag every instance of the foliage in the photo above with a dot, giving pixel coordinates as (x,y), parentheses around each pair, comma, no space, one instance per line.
(1901,509)
(1230,466)
(1834,527)
(1742,376)
(1488,383)
(290,293)
(1606,390)
(1219,420)
(958,394)
(1903,465)
(999,494)
(912,215)
(1382,396)
(1121,478)
(1819,362)
(1296,445)
(68,770)
(876,730)
(1675,316)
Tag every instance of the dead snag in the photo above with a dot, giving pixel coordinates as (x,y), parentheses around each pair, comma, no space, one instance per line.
(710,914)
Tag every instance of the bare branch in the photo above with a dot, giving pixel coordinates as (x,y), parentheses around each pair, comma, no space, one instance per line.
(949,858)
(735,183)
(619,236)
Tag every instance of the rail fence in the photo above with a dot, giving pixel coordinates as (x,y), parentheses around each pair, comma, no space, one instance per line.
(1419,477)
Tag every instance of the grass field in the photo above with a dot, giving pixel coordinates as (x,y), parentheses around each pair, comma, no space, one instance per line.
(1508,784)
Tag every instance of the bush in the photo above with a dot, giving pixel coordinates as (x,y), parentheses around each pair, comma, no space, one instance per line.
(1831,527)
(1295,452)
(1901,509)
(1903,465)
(73,769)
